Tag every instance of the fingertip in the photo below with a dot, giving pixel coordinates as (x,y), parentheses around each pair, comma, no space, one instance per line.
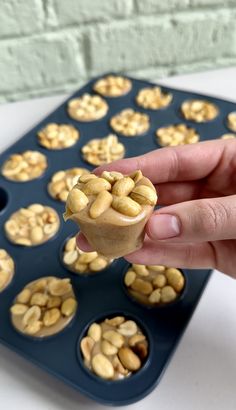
(82,243)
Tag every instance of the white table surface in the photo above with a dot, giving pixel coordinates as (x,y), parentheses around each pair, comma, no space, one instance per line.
(202,373)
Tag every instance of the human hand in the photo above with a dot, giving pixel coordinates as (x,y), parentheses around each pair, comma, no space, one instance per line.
(196,185)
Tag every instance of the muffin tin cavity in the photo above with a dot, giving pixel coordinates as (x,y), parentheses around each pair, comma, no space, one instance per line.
(24,167)
(112,86)
(58,136)
(3,199)
(130,123)
(7,269)
(199,110)
(87,108)
(63,181)
(83,263)
(177,134)
(154,285)
(115,348)
(153,98)
(231,121)
(103,150)
(32,226)
(44,307)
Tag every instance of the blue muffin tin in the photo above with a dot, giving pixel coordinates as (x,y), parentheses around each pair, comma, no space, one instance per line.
(99,295)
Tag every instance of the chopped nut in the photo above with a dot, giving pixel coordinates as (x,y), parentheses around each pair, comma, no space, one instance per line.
(102,366)
(51,317)
(95,332)
(168,294)
(114,338)
(19,309)
(126,206)
(129,359)
(86,346)
(128,328)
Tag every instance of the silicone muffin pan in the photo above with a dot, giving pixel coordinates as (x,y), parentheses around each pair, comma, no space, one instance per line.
(103,294)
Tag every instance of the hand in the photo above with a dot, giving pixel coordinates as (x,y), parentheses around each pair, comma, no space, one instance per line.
(196,185)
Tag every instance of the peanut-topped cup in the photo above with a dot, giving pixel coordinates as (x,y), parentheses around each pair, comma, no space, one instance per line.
(112,210)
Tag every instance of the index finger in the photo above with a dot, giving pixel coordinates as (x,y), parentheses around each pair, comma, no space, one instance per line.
(182,163)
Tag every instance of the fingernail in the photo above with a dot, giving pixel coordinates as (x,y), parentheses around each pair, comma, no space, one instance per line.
(163,226)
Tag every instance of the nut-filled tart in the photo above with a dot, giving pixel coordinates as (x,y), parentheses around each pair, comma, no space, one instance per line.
(114,348)
(44,307)
(112,210)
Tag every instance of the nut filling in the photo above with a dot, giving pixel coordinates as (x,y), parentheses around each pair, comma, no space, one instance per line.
(7,269)
(199,110)
(130,123)
(24,167)
(113,86)
(44,307)
(104,150)
(112,209)
(87,108)
(58,136)
(179,134)
(231,121)
(81,262)
(153,98)
(63,181)
(32,226)
(154,284)
(115,348)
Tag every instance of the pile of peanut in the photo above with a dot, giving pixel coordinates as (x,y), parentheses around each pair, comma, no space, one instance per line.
(130,123)
(199,110)
(179,134)
(153,98)
(83,262)
(58,136)
(228,136)
(231,121)
(87,108)
(44,307)
(114,348)
(125,194)
(154,284)
(7,269)
(104,150)
(24,167)
(32,226)
(63,181)
(112,86)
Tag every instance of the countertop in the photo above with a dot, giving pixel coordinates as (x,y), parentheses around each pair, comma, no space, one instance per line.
(201,375)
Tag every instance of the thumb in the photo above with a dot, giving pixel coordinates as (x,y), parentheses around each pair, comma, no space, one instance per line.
(195,221)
